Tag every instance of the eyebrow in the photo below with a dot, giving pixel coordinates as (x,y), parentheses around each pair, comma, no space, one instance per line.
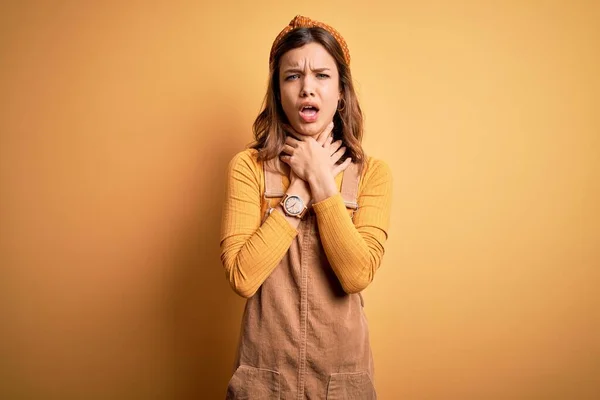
(296,69)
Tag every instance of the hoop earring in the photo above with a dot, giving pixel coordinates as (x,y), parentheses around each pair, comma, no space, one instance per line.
(344,107)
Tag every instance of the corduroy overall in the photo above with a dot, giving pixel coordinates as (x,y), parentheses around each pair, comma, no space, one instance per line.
(302,336)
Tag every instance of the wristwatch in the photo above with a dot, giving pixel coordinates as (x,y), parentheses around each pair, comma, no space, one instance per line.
(293,206)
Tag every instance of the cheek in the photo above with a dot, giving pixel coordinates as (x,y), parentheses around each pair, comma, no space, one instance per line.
(288,106)
(330,96)
(287,99)
(330,103)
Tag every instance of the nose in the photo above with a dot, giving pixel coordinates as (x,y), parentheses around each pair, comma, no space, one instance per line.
(307,92)
(307,88)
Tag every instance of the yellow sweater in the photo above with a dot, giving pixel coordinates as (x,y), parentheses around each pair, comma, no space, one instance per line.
(251,251)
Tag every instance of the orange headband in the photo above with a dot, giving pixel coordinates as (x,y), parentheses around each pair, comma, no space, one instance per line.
(305,22)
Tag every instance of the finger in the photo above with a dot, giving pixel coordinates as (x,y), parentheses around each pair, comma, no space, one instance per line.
(285,159)
(328,141)
(342,167)
(288,149)
(335,157)
(325,134)
(334,147)
(292,142)
(291,132)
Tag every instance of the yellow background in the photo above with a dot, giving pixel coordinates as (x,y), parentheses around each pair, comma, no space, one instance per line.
(117,122)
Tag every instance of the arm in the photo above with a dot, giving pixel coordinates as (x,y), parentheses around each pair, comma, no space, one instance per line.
(251,251)
(355,250)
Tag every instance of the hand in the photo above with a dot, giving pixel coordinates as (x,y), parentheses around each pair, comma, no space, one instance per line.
(311,158)
(337,152)
(315,161)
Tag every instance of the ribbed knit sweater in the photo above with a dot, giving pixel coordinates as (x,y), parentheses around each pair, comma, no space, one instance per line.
(250,251)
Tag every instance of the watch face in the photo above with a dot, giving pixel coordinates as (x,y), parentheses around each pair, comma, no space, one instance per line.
(294,205)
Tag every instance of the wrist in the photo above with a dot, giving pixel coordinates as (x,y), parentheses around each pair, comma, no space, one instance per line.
(301,189)
(295,202)
(322,186)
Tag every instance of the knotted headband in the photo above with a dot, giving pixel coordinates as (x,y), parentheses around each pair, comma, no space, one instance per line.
(304,22)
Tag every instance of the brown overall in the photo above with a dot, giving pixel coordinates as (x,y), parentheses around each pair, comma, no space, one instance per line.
(302,336)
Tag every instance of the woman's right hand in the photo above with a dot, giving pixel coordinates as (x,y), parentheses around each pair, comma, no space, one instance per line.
(323,138)
(315,161)
(297,184)
(311,157)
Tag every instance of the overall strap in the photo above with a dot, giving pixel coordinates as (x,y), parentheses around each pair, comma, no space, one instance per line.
(350,186)
(273,182)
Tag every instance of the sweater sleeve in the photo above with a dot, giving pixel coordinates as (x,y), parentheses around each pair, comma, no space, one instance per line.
(250,251)
(355,249)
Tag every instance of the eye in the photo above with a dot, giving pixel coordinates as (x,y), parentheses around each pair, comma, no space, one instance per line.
(292,77)
(322,76)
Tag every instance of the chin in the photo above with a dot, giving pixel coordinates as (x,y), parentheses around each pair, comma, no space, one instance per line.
(311,129)
(306,129)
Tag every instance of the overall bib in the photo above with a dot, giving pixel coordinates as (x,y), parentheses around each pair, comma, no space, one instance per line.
(302,336)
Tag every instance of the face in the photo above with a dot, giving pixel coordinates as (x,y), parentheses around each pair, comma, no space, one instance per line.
(309,85)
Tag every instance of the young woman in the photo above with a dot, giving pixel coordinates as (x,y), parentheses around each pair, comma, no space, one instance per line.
(304,226)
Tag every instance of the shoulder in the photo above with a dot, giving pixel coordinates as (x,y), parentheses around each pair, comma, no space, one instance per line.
(246,164)
(375,175)
(376,168)
(247,156)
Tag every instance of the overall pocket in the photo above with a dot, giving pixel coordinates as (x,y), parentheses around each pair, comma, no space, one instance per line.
(250,383)
(350,386)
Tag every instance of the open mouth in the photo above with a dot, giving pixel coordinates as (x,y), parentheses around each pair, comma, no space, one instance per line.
(309,113)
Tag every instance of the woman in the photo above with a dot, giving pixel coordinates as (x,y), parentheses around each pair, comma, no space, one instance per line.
(304,224)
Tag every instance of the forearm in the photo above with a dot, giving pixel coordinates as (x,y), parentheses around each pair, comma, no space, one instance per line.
(251,250)
(354,255)
(249,260)
(322,185)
